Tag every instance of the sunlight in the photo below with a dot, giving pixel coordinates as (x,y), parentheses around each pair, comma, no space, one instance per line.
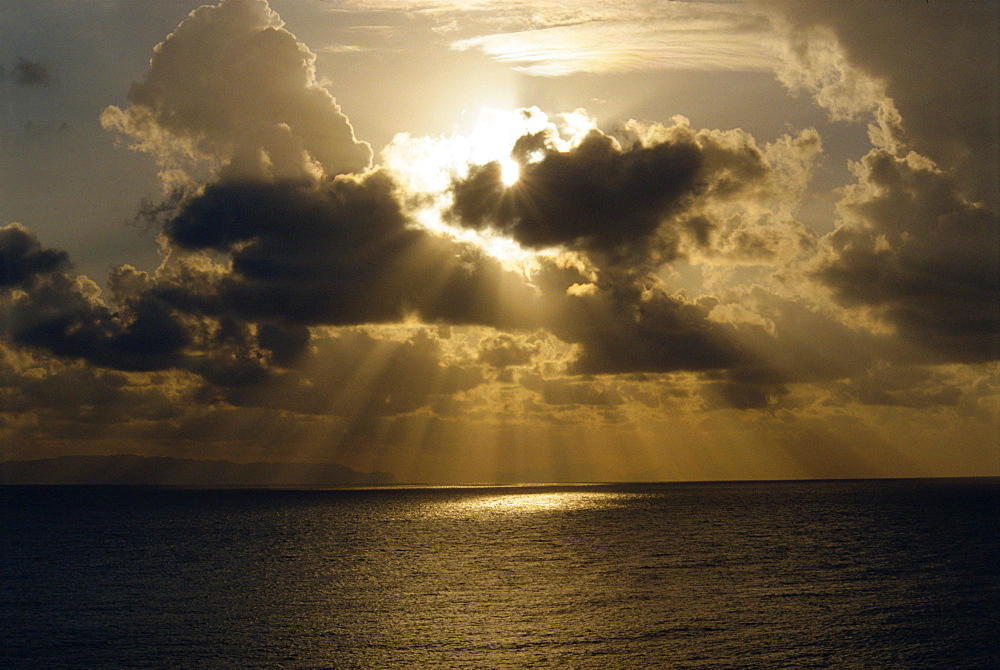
(518,504)
(429,164)
(510,171)
(426,168)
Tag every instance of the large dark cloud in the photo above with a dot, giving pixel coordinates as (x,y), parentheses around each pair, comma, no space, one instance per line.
(62,315)
(918,240)
(620,201)
(22,256)
(631,329)
(302,253)
(595,197)
(338,252)
(624,326)
(914,249)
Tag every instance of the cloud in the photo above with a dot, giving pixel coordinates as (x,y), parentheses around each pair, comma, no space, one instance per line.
(65,316)
(551,38)
(651,283)
(353,374)
(74,387)
(504,350)
(911,247)
(703,39)
(628,328)
(45,403)
(22,257)
(307,244)
(571,392)
(312,238)
(136,330)
(595,197)
(917,234)
(646,196)
(630,206)
(287,344)
(338,252)
(741,395)
(233,89)
(934,64)
(28,73)
(897,386)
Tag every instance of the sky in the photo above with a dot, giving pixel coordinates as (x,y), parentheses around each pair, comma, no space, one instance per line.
(473,242)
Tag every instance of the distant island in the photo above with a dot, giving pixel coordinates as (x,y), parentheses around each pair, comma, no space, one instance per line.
(128,470)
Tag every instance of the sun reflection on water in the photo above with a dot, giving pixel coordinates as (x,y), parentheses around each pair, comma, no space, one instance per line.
(520,504)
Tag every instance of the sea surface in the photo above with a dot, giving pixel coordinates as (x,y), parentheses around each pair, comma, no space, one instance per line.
(836,574)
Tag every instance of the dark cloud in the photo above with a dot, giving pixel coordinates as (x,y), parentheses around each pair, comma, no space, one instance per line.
(595,197)
(287,344)
(914,249)
(636,200)
(136,330)
(627,205)
(338,252)
(919,233)
(503,350)
(624,328)
(22,257)
(939,63)
(631,328)
(28,73)
(302,253)
(63,315)
(75,387)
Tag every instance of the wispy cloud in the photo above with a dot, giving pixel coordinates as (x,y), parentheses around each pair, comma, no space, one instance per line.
(552,38)
(619,46)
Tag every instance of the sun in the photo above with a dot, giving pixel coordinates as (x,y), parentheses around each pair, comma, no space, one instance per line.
(426,168)
(510,171)
(429,165)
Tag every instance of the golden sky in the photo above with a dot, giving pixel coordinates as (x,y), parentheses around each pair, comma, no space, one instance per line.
(494,242)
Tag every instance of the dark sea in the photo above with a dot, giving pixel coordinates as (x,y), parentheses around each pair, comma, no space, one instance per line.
(843,574)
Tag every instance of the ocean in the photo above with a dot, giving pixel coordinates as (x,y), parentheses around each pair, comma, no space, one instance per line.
(826,574)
